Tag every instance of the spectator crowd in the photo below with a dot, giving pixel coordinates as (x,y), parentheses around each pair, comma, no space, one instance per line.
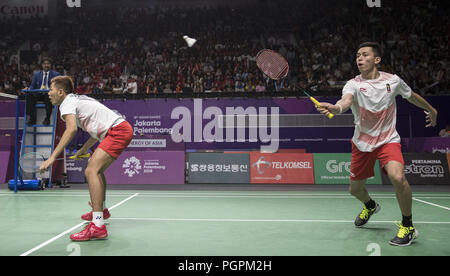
(141,50)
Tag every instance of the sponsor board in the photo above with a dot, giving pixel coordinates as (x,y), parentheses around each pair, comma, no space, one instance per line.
(75,170)
(204,167)
(144,167)
(281,168)
(448,161)
(334,168)
(427,168)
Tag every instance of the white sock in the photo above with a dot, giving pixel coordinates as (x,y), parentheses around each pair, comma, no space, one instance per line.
(97,219)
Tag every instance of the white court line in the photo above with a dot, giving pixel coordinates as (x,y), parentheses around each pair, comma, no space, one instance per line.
(249,193)
(225,195)
(432,204)
(71,229)
(269,220)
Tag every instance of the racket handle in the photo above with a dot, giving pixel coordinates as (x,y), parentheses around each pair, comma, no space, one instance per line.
(80,156)
(316,102)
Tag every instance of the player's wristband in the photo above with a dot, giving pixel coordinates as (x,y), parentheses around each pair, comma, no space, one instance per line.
(340,108)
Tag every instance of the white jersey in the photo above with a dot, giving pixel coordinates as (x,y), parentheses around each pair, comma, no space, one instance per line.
(375,109)
(91,116)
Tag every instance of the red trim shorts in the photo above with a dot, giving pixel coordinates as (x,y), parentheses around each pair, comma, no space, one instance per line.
(362,163)
(117,139)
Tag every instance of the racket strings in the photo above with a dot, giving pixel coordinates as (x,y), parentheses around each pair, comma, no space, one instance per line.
(31,162)
(272,64)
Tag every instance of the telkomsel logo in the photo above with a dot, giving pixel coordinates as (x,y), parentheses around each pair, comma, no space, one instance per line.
(261,165)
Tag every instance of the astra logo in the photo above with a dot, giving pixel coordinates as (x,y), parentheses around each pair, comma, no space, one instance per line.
(373,3)
(73,3)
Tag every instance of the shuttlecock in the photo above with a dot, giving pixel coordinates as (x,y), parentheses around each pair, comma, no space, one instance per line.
(190,41)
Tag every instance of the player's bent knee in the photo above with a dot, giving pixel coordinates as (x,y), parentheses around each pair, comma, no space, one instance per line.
(90,171)
(398,178)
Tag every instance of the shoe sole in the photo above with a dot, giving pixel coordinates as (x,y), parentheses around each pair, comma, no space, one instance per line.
(92,239)
(416,235)
(376,211)
(88,221)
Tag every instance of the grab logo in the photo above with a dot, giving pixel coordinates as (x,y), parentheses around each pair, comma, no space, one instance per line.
(132,166)
(373,3)
(334,167)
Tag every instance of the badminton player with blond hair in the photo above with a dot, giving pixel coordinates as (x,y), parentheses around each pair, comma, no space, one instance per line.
(371,97)
(104,125)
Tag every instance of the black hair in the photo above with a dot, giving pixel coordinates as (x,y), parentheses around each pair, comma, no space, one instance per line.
(376,48)
(44,59)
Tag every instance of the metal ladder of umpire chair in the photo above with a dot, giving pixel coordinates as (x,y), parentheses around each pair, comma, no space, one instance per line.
(39,137)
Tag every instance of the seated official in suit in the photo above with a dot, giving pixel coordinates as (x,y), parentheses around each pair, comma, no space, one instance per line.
(41,80)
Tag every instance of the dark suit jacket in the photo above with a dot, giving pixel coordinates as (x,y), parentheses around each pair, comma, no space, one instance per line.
(36,82)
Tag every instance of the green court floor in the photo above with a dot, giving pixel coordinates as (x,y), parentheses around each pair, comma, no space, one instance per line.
(219,223)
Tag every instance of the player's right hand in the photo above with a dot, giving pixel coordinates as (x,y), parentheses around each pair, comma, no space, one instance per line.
(327,108)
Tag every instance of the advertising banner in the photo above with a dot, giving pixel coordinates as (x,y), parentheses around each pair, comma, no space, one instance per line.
(7,158)
(218,168)
(448,160)
(335,169)
(426,144)
(5,165)
(145,167)
(154,143)
(281,168)
(427,168)
(75,170)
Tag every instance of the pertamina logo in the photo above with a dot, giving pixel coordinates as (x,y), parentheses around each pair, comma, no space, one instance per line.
(132,166)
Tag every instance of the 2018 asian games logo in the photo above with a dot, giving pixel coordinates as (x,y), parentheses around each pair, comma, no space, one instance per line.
(132,166)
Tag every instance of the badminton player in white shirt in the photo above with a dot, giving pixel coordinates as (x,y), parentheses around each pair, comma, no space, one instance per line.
(104,125)
(371,97)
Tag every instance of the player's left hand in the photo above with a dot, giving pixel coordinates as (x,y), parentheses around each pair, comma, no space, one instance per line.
(46,165)
(430,117)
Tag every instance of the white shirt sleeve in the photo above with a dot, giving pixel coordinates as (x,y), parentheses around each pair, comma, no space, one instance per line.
(68,107)
(403,89)
(349,88)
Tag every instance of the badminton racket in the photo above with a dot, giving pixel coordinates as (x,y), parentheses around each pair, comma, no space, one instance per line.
(31,162)
(317,104)
(272,64)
